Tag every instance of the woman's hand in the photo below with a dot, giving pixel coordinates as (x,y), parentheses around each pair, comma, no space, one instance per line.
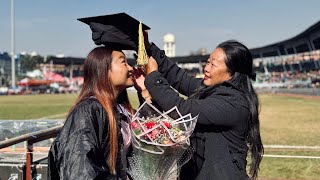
(139,85)
(139,80)
(148,68)
(152,65)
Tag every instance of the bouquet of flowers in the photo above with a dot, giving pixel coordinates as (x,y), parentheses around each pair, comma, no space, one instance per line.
(160,142)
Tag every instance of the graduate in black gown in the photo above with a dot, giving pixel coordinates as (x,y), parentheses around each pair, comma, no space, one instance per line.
(90,144)
(94,141)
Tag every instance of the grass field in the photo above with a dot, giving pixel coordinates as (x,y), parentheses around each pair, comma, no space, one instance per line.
(284,121)
(35,106)
(41,106)
(290,121)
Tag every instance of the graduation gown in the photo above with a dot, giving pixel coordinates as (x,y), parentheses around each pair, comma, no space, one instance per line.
(81,149)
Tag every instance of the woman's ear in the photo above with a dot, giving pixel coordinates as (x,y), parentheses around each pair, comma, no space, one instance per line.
(230,75)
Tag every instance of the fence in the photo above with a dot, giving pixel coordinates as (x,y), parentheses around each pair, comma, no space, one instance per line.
(31,138)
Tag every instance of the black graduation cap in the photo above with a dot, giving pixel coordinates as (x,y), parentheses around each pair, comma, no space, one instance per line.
(118,31)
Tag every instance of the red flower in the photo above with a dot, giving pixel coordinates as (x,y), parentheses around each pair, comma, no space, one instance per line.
(168,125)
(149,125)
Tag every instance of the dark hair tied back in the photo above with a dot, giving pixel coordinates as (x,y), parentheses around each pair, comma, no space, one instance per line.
(253,76)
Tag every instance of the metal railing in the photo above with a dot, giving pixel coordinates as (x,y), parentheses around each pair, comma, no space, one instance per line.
(31,138)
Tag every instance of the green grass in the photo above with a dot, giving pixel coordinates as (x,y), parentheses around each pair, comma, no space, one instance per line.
(290,168)
(35,106)
(42,106)
(284,121)
(289,120)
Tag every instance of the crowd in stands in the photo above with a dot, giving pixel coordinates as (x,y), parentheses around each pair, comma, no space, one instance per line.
(291,79)
(298,70)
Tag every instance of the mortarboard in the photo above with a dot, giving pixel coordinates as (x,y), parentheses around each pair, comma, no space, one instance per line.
(115,30)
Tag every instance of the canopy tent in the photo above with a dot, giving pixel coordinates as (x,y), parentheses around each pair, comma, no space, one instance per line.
(54,77)
(33,82)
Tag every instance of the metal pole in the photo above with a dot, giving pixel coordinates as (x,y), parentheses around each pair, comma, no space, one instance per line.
(51,70)
(71,71)
(29,160)
(13,71)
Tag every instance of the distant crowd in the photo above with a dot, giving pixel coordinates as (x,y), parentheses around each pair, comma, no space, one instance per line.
(292,79)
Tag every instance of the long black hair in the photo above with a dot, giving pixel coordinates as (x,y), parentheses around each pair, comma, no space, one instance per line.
(239,63)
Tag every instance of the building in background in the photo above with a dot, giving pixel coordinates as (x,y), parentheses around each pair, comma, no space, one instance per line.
(169,45)
(5,68)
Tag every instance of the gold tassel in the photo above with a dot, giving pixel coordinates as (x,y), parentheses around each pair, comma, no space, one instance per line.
(142,59)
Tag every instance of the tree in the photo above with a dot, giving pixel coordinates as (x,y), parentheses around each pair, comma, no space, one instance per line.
(29,63)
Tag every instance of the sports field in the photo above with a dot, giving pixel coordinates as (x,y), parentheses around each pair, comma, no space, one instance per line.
(285,120)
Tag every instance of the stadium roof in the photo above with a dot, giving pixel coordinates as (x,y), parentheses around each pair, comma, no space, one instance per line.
(76,61)
(66,60)
(190,59)
(312,29)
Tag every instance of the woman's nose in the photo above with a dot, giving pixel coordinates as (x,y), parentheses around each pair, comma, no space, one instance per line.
(130,68)
(205,68)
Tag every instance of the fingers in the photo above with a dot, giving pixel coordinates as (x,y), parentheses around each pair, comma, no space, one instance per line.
(139,83)
(152,65)
(152,60)
(138,72)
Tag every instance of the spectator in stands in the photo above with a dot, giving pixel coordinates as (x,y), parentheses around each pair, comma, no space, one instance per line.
(93,144)
(228,108)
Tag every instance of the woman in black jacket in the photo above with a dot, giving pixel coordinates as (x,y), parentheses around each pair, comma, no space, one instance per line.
(228,123)
(90,144)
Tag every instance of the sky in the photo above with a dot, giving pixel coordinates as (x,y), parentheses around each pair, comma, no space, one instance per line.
(49,27)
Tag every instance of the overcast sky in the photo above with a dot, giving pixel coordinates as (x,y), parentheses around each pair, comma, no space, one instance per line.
(49,27)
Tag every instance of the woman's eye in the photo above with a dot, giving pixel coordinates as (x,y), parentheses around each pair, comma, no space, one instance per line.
(214,65)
